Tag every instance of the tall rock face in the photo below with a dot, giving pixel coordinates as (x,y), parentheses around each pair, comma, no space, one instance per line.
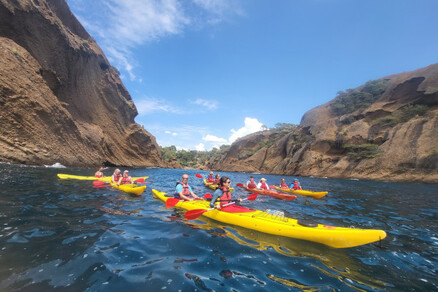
(60,99)
(386,129)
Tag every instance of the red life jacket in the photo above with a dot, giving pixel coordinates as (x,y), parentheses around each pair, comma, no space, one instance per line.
(116,178)
(252,185)
(283,185)
(296,187)
(210,178)
(125,180)
(226,196)
(186,191)
(98,174)
(264,186)
(216,181)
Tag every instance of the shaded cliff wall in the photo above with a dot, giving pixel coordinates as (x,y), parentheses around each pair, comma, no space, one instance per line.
(61,100)
(393,138)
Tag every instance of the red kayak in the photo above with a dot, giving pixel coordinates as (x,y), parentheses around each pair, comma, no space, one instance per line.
(270,193)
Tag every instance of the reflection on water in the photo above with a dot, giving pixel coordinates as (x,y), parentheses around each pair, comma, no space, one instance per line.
(66,235)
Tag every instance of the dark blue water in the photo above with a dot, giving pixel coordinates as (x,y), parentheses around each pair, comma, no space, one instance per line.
(64,235)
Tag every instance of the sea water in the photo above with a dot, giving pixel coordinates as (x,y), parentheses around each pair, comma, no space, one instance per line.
(65,235)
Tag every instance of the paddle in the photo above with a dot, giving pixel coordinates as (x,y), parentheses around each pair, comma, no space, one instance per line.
(193,214)
(240,185)
(198,175)
(173,201)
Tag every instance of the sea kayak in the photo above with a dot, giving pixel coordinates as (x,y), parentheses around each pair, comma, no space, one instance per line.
(316,195)
(270,193)
(80,177)
(213,186)
(130,189)
(338,237)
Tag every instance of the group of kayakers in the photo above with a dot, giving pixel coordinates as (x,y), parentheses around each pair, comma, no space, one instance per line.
(213,179)
(117,176)
(263,185)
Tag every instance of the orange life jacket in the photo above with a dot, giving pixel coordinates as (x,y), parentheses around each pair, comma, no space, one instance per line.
(210,178)
(116,178)
(185,192)
(252,185)
(226,196)
(296,187)
(125,180)
(98,174)
(283,185)
(264,186)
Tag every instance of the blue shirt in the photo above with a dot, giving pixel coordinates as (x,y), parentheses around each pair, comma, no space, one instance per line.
(217,194)
(179,188)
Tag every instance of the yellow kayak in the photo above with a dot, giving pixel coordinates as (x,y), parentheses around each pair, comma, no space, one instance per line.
(213,186)
(316,195)
(130,189)
(277,224)
(80,177)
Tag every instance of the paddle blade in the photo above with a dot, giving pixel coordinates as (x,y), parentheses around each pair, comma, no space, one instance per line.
(102,186)
(208,196)
(273,187)
(98,182)
(239,185)
(252,197)
(171,202)
(193,214)
(198,175)
(140,180)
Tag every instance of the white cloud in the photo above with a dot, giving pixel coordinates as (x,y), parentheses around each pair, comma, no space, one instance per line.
(171,133)
(123,26)
(251,126)
(151,105)
(210,104)
(200,147)
(214,139)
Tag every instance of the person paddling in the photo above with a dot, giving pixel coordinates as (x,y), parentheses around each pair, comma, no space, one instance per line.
(217,179)
(296,185)
(183,190)
(117,175)
(99,173)
(210,178)
(125,179)
(251,183)
(283,184)
(262,185)
(222,193)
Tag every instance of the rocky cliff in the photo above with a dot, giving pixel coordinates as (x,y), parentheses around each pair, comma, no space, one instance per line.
(61,100)
(386,129)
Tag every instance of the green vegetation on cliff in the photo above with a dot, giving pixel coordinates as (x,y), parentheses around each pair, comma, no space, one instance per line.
(354,99)
(190,158)
(402,115)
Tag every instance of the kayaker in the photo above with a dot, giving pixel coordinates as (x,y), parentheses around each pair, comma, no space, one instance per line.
(262,185)
(296,185)
(283,184)
(210,178)
(183,190)
(222,193)
(125,179)
(99,173)
(217,179)
(117,175)
(251,183)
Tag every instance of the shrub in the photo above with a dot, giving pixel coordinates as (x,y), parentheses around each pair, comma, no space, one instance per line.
(403,115)
(353,99)
(362,151)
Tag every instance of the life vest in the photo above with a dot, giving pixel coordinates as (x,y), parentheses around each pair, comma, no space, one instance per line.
(98,174)
(283,185)
(216,181)
(116,178)
(125,180)
(263,186)
(226,196)
(252,185)
(210,178)
(296,187)
(185,192)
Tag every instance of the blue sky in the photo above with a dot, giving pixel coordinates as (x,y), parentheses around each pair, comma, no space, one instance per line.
(203,73)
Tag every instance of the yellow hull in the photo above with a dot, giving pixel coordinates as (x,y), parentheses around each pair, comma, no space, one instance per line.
(80,177)
(130,189)
(316,195)
(338,237)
